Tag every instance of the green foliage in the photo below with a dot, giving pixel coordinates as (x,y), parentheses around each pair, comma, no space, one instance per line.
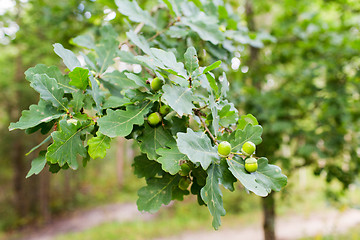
(42,113)
(171,159)
(79,78)
(212,196)
(96,102)
(120,122)
(67,144)
(303,87)
(98,145)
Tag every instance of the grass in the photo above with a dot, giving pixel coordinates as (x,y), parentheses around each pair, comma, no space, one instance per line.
(304,195)
(179,218)
(173,220)
(352,234)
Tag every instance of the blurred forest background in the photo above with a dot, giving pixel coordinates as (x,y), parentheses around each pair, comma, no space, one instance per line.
(298,73)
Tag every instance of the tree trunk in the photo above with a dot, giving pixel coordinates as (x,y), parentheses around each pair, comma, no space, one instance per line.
(268,204)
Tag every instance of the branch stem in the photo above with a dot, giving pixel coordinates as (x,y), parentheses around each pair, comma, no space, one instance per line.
(162,31)
(197,113)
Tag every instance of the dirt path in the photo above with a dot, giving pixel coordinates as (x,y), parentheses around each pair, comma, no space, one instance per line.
(288,228)
(86,219)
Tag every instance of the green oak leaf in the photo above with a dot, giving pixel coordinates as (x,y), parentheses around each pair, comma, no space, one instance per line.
(173,7)
(95,92)
(227,179)
(228,113)
(135,13)
(69,58)
(269,175)
(214,113)
(191,60)
(90,59)
(250,133)
(177,32)
(139,41)
(224,85)
(79,78)
(245,120)
(154,138)
(153,63)
(37,165)
(120,122)
(237,168)
(212,67)
(49,90)
(67,145)
(208,31)
(52,72)
(197,146)
(178,194)
(266,178)
(115,102)
(168,59)
(143,167)
(78,101)
(43,112)
(86,41)
(106,52)
(212,196)
(119,80)
(179,98)
(127,57)
(48,138)
(137,80)
(213,84)
(98,145)
(157,192)
(170,158)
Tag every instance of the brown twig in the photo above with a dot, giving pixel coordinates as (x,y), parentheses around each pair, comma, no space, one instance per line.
(201,108)
(162,31)
(199,114)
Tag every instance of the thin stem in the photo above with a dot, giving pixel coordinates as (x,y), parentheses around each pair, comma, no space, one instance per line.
(237,153)
(201,108)
(162,31)
(197,113)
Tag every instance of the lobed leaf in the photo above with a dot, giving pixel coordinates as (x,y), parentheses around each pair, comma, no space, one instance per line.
(191,60)
(67,145)
(270,176)
(49,90)
(143,167)
(212,196)
(79,78)
(135,13)
(68,57)
(98,145)
(246,119)
(52,72)
(120,122)
(37,164)
(43,112)
(212,67)
(157,192)
(170,158)
(197,146)
(154,138)
(250,133)
(179,98)
(248,180)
